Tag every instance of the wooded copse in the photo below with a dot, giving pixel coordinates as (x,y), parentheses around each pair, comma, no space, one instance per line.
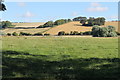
(56,23)
(91,21)
(97,31)
(6,24)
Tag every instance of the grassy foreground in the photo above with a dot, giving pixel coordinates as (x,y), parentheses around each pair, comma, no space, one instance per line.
(59,58)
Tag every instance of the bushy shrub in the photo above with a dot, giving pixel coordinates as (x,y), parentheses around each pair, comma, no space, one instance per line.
(74,33)
(108,31)
(87,33)
(15,34)
(25,34)
(46,34)
(67,34)
(61,33)
(112,34)
(38,34)
(9,34)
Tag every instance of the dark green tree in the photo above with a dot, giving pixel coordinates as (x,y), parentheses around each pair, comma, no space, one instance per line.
(59,22)
(91,21)
(6,24)
(49,24)
(79,18)
(108,31)
(2,7)
(69,20)
(9,34)
(83,22)
(61,33)
(15,34)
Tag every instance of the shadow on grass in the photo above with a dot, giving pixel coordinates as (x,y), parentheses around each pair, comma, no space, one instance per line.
(36,68)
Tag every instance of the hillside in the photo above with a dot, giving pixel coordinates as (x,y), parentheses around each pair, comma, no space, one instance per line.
(75,26)
(32,24)
(71,26)
(34,30)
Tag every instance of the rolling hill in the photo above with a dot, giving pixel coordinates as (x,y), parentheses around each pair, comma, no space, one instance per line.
(67,27)
(76,26)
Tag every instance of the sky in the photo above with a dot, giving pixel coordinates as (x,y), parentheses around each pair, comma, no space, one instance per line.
(47,11)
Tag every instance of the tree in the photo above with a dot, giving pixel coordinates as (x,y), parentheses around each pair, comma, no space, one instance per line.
(61,33)
(91,21)
(49,24)
(99,21)
(2,7)
(46,34)
(9,34)
(14,34)
(6,24)
(83,22)
(111,28)
(38,34)
(69,20)
(103,32)
(95,31)
(25,34)
(59,22)
(108,31)
(79,18)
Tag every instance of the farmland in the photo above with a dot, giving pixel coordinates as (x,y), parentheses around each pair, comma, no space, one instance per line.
(30,24)
(68,27)
(58,58)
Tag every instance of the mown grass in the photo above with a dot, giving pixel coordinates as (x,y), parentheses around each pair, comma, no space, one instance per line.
(59,58)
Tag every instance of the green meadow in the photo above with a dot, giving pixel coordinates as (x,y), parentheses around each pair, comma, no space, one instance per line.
(59,58)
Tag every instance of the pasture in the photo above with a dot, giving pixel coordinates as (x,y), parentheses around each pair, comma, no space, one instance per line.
(58,58)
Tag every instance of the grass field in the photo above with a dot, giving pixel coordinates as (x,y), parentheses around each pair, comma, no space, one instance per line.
(59,58)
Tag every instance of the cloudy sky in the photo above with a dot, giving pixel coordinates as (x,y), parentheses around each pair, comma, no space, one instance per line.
(46,11)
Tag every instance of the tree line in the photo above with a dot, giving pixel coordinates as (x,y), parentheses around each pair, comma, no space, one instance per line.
(56,23)
(27,34)
(97,31)
(91,21)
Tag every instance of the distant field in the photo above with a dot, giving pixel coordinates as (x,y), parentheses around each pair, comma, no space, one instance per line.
(25,30)
(57,58)
(33,24)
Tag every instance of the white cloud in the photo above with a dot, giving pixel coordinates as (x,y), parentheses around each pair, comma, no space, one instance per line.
(25,17)
(96,7)
(95,4)
(21,4)
(28,14)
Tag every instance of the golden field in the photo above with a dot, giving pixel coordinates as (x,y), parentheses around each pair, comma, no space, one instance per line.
(68,27)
